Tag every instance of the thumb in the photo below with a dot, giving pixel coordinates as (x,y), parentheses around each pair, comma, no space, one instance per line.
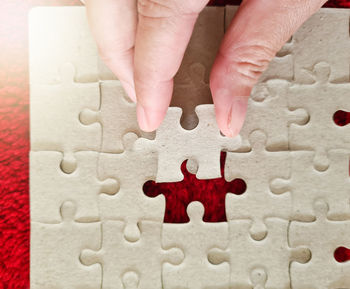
(256,34)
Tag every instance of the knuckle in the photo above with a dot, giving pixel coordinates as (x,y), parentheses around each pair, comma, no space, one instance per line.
(249,62)
(155,8)
(168,8)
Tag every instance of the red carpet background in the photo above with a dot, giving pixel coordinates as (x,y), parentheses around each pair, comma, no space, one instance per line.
(14,141)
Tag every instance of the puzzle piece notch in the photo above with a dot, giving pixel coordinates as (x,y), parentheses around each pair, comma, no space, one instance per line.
(130,280)
(61,104)
(307,184)
(197,87)
(191,82)
(342,254)
(270,98)
(254,262)
(145,257)
(195,238)
(50,187)
(174,144)
(55,250)
(327,272)
(131,169)
(341,118)
(258,278)
(257,168)
(117,116)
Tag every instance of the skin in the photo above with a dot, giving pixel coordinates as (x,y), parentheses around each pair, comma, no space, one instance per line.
(143,43)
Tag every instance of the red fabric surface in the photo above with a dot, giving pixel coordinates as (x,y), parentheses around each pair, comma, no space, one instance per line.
(14,138)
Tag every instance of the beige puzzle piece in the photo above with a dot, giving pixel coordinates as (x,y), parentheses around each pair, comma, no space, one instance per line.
(54,121)
(196,238)
(259,264)
(55,251)
(50,187)
(174,144)
(321,99)
(322,237)
(131,169)
(257,168)
(117,116)
(307,185)
(270,99)
(119,258)
(191,83)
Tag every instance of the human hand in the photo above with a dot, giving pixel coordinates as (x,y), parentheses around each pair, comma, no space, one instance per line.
(143,43)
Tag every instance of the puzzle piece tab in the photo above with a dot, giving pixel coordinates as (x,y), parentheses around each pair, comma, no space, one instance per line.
(145,257)
(55,251)
(203,144)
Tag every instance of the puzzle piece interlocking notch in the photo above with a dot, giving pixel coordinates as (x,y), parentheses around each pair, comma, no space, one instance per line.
(192,78)
(172,142)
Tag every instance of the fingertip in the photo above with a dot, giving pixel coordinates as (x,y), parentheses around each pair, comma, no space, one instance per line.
(149,119)
(237,114)
(230,111)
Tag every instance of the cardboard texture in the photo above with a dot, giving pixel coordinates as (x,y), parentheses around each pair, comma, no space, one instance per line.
(92,224)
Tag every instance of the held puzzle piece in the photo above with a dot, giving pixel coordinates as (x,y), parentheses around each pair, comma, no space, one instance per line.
(172,143)
(94,226)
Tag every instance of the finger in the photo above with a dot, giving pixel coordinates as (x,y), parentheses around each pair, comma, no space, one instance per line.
(164,30)
(113,24)
(256,34)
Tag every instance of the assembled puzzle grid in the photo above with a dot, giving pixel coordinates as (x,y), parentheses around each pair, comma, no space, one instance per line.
(93,227)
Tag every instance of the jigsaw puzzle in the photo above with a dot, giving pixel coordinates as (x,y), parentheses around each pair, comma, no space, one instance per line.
(102,213)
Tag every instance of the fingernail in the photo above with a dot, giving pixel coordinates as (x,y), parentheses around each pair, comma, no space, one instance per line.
(236,116)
